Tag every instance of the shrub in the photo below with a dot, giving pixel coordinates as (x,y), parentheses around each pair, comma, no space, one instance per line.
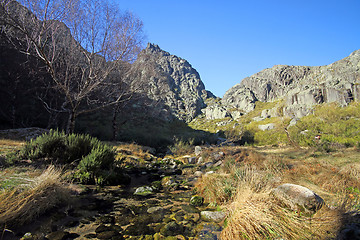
(95,159)
(95,166)
(49,145)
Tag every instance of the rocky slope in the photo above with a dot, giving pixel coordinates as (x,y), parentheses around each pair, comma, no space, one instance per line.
(300,87)
(172,84)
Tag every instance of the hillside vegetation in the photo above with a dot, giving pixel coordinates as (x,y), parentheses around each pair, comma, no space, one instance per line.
(338,126)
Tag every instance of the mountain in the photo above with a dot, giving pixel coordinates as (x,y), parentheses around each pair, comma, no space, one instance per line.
(299,88)
(172,84)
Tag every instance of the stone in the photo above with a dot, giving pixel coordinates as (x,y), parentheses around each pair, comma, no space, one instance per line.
(196,201)
(209,231)
(192,160)
(198,173)
(211,216)
(218,156)
(209,172)
(138,229)
(217,164)
(198,150)
(189,208)
(58,235)
(144,191)
(108,235)
(298,198)
(200,160)
(155,210)
(171,229)
(266,127)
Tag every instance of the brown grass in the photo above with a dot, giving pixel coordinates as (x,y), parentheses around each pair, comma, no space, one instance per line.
(251,174)
(258,216)
(24,203)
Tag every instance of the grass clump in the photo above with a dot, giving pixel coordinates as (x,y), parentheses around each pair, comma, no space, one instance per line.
(182,147)
(24,202)
(243,187)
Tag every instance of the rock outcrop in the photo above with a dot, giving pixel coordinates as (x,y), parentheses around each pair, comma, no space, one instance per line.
(170,82)
(301,87)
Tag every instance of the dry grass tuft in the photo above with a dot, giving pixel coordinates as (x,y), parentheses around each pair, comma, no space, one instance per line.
(243,184)
(256,215)
(28,201)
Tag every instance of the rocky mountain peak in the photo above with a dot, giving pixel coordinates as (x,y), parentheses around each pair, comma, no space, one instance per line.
(152,48)
(300,87)
(170,82)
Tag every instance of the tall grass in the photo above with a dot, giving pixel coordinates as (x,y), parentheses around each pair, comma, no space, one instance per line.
(243,186)
(25,202)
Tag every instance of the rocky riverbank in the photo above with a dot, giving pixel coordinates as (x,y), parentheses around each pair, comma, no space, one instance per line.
(159,202)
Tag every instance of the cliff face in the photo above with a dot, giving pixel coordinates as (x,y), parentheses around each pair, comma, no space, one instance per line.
(174,87)
(301,87)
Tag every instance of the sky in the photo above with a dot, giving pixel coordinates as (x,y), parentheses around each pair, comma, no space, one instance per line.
(228,40)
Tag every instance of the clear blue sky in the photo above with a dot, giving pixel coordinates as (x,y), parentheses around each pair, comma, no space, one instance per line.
(228,40)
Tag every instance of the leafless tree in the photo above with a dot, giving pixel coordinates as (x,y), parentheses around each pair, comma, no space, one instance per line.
(81,43)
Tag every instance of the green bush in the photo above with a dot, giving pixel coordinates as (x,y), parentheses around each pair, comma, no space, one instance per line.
(60,147)
(93,158)
(49,145)
(96,165)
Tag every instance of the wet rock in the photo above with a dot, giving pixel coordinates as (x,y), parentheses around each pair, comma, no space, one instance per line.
(102,228)
(171,229)
(155,210)
(138,229)
(209,231)
(144,191)
(61,235)
(298,198)
(106,219)
(109,235)
(190,209)
(122,220)
(90,235)
(213,216)
(196,201)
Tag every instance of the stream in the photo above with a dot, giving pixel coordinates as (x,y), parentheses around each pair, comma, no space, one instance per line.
(114,212)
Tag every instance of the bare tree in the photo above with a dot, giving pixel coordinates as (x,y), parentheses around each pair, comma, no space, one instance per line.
(81,44)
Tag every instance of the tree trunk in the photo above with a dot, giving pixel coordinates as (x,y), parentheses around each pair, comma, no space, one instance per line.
(71,122)
(114,124)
